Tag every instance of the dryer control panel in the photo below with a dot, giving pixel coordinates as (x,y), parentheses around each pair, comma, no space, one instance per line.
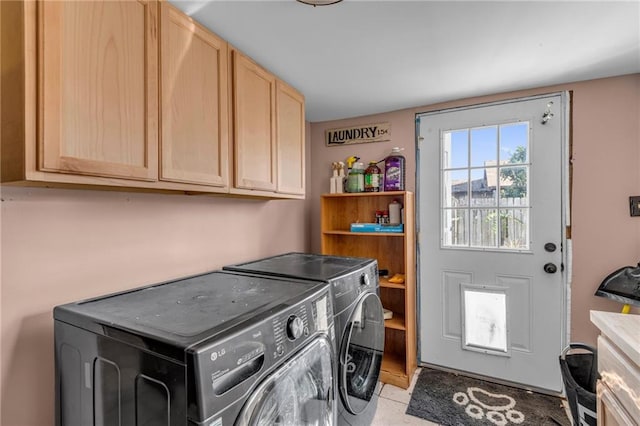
(226,370)
(347,288)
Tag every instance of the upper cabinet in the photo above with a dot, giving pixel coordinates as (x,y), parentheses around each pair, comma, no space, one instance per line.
(254,126)
(290,139)
(135,94)
(268,132)
(194,102)
(97,106)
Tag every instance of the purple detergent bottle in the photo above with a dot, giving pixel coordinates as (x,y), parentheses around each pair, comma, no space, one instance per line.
(394,171)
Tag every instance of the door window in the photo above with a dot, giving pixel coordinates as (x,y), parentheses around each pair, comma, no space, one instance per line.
(485,187)
(361,356)
(299,393)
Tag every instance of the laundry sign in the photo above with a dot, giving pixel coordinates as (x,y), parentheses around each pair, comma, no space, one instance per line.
(379,132)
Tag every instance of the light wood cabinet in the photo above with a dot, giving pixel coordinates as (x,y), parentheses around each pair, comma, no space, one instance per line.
(98,74)
(290,139)
(268,132)
(254,125)
(395,252)
(138,96)
(609,410)
(80,94)
(194,119)
(617,398)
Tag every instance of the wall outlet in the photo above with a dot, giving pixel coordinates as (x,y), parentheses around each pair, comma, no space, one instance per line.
(634,206)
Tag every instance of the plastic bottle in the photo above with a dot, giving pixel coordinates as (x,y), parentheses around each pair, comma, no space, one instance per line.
(333,180)
(355,180)
(394,212)
(372,178)
(394,171)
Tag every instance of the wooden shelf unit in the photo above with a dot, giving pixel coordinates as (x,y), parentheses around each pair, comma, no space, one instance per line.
(395,252)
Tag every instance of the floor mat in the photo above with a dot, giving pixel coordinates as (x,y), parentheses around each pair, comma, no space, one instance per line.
(455,400)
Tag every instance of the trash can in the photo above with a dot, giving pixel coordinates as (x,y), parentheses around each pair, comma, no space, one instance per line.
(579,375)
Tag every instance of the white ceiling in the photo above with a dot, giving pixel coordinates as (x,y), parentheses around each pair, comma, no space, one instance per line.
(362,57)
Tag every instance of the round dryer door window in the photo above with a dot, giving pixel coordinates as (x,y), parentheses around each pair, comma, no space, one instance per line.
(298,393)
(361,353)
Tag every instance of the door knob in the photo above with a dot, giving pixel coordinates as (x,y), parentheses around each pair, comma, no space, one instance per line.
(550,268)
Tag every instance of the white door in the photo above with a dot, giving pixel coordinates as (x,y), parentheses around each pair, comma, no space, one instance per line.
(492,281)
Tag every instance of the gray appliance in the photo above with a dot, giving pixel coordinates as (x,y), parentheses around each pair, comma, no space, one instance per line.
(215,349)
(359,321)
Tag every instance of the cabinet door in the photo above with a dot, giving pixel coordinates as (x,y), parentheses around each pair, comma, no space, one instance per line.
(609,410)
(98,98)
(290,139)
(254,125)
(194,129)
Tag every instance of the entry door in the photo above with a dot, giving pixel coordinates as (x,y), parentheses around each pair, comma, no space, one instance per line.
(492,281)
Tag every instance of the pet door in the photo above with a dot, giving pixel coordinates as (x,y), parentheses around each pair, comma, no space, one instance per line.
(484,319)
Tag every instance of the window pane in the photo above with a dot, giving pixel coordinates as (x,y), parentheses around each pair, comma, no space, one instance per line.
(483,187)
(514,229)
(514,143)
(456,229)
(456,188)
(514,188)
(484,146)
(455,149)
(484,227)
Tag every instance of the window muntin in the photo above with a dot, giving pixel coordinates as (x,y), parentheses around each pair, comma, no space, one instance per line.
(485,200)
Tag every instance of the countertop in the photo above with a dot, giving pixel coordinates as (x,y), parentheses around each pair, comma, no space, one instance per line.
(622,329)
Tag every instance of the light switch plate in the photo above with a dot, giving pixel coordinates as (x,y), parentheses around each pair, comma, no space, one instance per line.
(634,206)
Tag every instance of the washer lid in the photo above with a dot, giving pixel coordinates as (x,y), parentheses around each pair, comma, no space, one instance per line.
(186,311)
(303,265)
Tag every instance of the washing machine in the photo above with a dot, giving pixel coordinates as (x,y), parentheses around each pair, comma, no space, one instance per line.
(359,321)
(215,349)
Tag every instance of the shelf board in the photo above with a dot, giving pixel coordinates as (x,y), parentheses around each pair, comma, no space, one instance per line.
(393,363)
(371,234)
(393,370)
(366,194)
(397,322)
(384,282)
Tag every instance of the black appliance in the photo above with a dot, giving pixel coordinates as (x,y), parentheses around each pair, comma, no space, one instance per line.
(622,285)
(359,321)
(215,349)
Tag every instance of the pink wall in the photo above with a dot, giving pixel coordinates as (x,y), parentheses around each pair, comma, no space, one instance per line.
(606,140)
(63,245)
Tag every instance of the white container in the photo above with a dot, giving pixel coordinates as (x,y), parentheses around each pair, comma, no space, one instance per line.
(394,213)
(333,182)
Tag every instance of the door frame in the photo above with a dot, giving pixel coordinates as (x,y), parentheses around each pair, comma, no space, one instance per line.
(563,113)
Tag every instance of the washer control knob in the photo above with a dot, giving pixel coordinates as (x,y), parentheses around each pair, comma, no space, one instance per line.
(364,279)
(295,327)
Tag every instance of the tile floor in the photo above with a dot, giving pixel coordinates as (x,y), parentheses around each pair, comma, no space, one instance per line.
(392,405)
(393,402)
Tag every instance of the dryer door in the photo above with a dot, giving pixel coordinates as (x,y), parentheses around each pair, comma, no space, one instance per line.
(361,353)
(298,393)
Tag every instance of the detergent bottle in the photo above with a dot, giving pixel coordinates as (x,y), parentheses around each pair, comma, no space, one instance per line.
(394,171)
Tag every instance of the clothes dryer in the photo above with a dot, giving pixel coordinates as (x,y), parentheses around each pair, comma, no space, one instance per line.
(215,349)
(359,321)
